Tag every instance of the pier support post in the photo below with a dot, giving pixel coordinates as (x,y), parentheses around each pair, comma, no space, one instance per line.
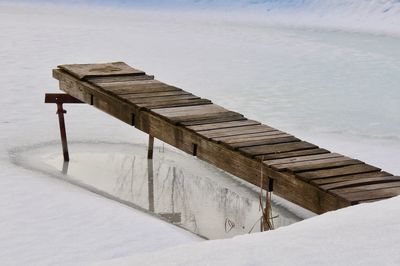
(270,184)
(150,177)
(60,99)
(61,121)
(151,147)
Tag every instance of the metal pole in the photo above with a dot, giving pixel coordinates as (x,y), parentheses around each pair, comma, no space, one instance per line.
(60,113)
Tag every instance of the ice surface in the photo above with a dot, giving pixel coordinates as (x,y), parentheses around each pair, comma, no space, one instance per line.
(176,187)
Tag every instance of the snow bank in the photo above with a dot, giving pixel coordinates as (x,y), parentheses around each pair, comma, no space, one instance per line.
(45,221)
(366,234)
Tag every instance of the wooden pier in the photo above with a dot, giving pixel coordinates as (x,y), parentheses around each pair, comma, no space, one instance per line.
(298,171)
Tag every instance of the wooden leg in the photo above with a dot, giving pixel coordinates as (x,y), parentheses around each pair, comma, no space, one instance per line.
(60,113)
(270,185)
(150,184)
(151,146)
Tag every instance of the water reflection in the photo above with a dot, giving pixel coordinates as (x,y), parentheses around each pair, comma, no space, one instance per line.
(64,169)
(178,188)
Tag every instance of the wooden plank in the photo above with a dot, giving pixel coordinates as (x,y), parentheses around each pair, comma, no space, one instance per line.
(302,158)
(141,88)
(355,197)
(133,83)
(375,179)
(317,160)
(304,165)
(326,165)
(184,119)
(181,112)
(344,170)
(181,115)
(291,154)
(251,137)
(82,71)
(176,103)
(277,148)
(365,187)
(237,129)
(101,80)
(60,98)
(154,94)
(271,140)
(219,118)
(221,125)
(343,178)
(161,99)
(121,91)
(226,132)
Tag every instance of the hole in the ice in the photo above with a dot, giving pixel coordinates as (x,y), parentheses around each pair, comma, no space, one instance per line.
(173,186)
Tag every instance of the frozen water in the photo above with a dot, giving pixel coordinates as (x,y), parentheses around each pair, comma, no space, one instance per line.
(176,187)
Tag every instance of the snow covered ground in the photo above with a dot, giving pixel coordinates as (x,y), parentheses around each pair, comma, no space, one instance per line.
(367,234)
(293,78)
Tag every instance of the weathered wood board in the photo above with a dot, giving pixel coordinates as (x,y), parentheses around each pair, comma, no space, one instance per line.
(301,172)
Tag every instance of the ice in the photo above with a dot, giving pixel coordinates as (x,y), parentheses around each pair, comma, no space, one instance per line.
(173,186)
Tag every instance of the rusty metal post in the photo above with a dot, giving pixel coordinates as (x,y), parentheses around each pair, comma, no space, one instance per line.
(60,113)
(60,99)
(151,146)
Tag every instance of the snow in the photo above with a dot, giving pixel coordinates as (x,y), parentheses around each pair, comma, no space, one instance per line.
(378,16)
(367,234)
(304,73)
(45,221)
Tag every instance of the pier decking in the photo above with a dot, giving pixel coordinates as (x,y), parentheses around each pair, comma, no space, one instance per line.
(296,170)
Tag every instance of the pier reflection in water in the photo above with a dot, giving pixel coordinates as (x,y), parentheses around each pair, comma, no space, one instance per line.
(174,186)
